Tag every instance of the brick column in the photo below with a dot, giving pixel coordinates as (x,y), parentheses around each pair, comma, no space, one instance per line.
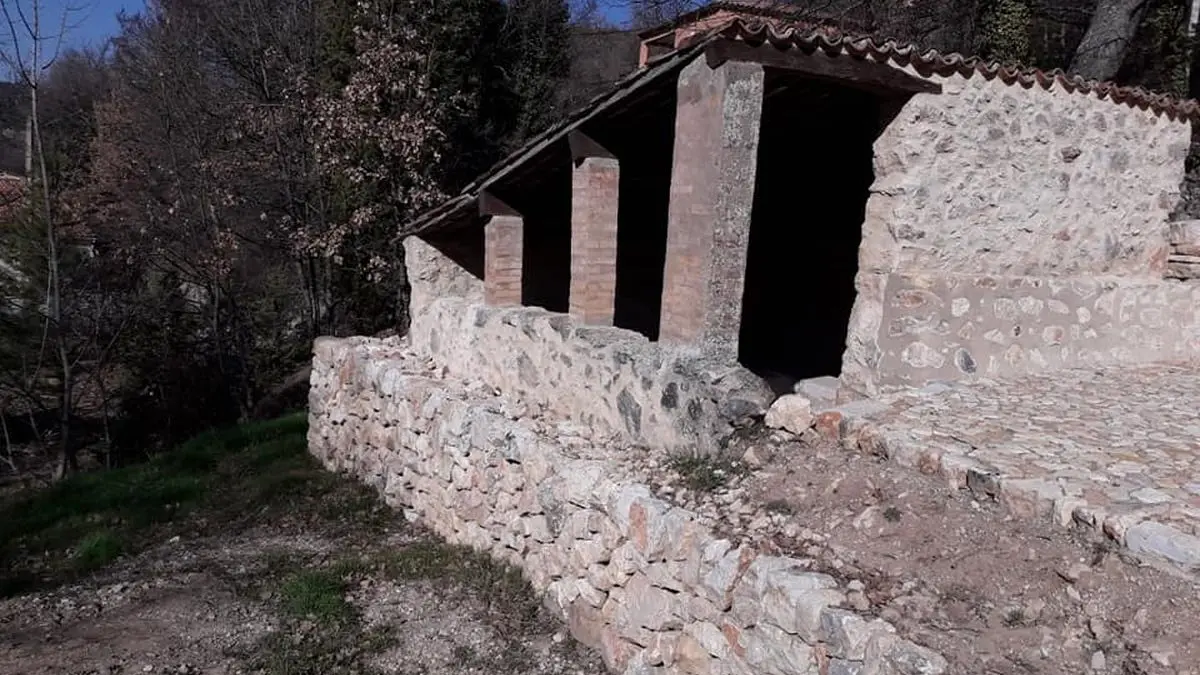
(712,191)
(594,199)
(503,253)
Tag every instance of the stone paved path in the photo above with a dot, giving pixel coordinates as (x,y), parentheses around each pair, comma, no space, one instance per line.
(1115,449)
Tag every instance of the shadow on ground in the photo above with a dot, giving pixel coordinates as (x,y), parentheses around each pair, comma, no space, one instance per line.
(237,553)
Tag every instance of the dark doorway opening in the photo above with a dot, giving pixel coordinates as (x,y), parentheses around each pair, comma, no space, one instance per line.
(642,136)
(813,179)
(541,193)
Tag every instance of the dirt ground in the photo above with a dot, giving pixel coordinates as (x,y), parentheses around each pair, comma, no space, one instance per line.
(211,605)
(995,595)
(283,569)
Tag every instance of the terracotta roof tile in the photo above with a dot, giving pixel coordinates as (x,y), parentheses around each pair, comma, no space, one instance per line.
(932,62)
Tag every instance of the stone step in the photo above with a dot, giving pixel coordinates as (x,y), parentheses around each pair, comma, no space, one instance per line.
(1183,267)
(1184,233)
(822,391)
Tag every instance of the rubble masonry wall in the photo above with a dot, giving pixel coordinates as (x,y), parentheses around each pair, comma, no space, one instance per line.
(1013,230)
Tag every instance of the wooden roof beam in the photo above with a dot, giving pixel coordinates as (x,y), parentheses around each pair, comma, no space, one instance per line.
(843,69)
(491,205)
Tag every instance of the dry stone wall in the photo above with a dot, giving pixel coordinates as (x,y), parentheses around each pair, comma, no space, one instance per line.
(640,580)
(1014,230)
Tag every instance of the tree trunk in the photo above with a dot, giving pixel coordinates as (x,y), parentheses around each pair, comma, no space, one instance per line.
(1100,54)
(67,461)
(1194,60)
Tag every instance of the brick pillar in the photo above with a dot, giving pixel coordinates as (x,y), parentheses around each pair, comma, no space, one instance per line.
(712,190)
(594,199)
(503,253)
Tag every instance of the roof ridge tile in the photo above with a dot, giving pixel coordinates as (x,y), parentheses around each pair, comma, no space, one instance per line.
(836,41)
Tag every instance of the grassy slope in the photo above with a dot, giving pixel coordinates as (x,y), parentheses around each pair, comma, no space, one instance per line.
(86,522)
(230,481)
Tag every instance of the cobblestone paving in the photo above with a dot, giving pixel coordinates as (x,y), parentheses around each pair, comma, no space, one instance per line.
(1116,449)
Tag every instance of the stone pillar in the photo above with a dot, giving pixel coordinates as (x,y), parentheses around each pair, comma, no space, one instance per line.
(503,253)
(712,191)
(594,200)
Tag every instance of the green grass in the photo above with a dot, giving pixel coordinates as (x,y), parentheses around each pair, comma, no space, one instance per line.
(89,520)
(251,477)
(706,474)
(319,594)
(98,549)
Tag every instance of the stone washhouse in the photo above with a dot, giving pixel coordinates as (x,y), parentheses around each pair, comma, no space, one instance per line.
(813,205)
(756,206)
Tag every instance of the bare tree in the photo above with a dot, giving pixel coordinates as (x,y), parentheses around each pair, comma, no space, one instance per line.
(35,41)
(650,13)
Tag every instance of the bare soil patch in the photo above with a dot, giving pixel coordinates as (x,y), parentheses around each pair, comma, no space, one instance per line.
(993,594)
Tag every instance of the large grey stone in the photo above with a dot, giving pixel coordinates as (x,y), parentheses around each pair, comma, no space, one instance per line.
(1164,541)
(887,654)
(652,608)
(771,651)
(847,634)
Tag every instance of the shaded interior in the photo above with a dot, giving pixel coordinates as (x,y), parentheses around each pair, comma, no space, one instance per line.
(642,137)
(813,178)
(462,243)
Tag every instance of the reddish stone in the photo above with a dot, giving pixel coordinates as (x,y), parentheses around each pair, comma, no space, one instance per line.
(930,462)
(691,657)
(637,526)
(586,624)
(913,298)
(1158,260)
(821,654)
(733,635)
(829,425)
(615,651)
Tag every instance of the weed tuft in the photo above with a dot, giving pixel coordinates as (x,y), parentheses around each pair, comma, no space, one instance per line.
(97,550)
(319,594)
(706,474)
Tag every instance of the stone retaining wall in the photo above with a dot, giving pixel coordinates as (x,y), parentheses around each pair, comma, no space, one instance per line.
(613,381)
(634,577)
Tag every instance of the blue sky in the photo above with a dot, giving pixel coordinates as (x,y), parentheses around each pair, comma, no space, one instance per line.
(96,21)
(90,22)
(617,13)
